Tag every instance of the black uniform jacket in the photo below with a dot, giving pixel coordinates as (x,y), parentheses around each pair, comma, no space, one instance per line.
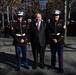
(37,37)
(19,31)
(56,31)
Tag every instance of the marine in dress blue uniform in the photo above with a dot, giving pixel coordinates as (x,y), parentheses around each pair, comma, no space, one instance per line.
(19,33)
(56,31)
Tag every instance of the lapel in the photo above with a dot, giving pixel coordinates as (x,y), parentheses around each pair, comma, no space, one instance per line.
(41,26)
(35,27)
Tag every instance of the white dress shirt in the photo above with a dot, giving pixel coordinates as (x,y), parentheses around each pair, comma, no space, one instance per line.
(38,23)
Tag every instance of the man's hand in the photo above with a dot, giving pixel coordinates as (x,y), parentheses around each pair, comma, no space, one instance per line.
(22,40)
(12,28)
(29,43)
(55,40)
(64,26)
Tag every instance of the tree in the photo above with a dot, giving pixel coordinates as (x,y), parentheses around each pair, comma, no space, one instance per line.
(55,4)
(33,7)
(7,3)
(71,5)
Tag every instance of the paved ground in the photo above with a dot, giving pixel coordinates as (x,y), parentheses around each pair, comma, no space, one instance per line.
(7,59)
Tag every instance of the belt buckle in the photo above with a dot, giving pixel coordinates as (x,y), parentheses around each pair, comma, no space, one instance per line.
(58,34)
(21,34)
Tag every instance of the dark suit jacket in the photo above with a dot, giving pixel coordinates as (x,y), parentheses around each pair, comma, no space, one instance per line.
(37,37)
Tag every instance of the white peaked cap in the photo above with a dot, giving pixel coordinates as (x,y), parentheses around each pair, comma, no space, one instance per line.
(56,12)
(20,13)
(29,19)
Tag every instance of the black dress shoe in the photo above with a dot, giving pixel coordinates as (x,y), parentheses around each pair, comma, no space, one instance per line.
(34,67)
(49,67)
(53,67)
(18,69)
(42,66)
(60,70)
(26,67)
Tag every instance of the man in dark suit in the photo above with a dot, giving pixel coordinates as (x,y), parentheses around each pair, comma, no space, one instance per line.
(37,39)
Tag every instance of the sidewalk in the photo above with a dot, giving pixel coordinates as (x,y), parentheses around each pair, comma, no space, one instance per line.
(70,44)
(7,59)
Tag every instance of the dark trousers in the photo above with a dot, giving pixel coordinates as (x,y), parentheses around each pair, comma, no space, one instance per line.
(6,31)
(58,49)
(41,51)
(20,49)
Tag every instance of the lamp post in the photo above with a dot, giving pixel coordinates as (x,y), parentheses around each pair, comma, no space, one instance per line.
(66,18)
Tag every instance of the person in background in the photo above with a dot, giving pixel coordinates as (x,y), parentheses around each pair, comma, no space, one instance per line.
(29,21)
(6,28)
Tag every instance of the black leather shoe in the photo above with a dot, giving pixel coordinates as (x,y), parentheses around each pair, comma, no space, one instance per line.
(26,67)
(42,66)
(60,70)
(35,66)
(18,69)
(53,67)
(49,67)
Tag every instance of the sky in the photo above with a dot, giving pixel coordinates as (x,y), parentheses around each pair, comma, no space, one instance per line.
(43,4)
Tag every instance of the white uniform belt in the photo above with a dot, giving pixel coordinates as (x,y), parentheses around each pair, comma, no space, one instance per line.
(56,34)
(20,34)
